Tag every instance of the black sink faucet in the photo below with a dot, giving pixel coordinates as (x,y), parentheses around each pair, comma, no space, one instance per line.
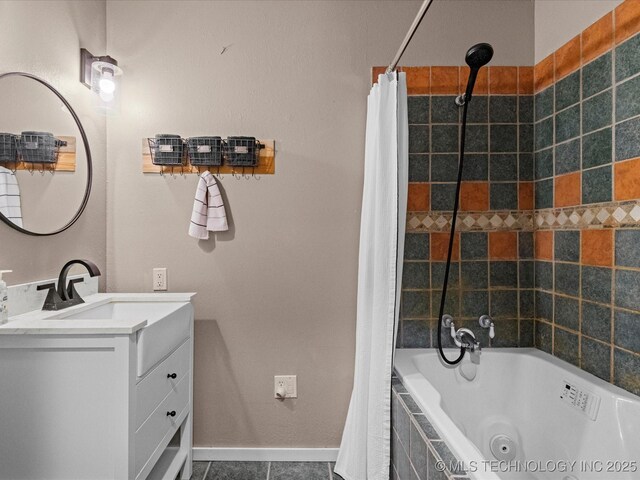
(64,296)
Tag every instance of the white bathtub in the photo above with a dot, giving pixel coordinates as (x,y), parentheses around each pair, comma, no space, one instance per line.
(517,392)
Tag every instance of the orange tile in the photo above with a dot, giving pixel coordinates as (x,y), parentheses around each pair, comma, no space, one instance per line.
(474,196)
(418,80)
(627,19)
(375,71)
(596,247)
(440,246)
(444,80)
(627,179)
(544,245)
(503,80)
(543,73)
(567,190)
(525,80)
(597,39)
(503,245)
(525,196)
(418,197)
(567,58)
(482,81)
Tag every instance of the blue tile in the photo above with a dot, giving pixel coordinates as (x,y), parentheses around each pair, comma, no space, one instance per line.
(475,303)
(415,334)
(477,139)
(503,109)
(526,273)
(245,471)
(415,275)
(442,196)
(473,245)
(568,124)
(544,337)
(544,305)
(419,453)
(627,99)
(596,76)
(596,148)
(504,138)
(628,289)
(566,346)
(568,91)
(416,246)
(476,166)
(400,419)
(425,425)
(503,274)
(544,164)
(567,279)
(418,139)
(525,109)
(418,168)
(596,185)
(543,134)
(596,284)
(596,112)
(544,103)
(415,304)
(566,312)
(596,321)
(596,358)
(418,109)
(628,58)
(474,275)
(568,157)
(628,139)
(525,134)
(627,330)
(444,109)
(444,167)
(504,303)
(628,248)
(503,196)
(452,302)
(525,166)
(478,110)
(526,328)
(437,274)
(626,367)
(544,275)
(527,305)
(567,245)
(544,194)
(199,470)
(525,244)
(444,138)
(503,167)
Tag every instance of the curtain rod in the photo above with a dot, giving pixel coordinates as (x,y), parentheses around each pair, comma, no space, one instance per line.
(412,30)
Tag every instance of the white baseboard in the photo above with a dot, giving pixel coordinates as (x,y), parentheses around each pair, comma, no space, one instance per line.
(207,454)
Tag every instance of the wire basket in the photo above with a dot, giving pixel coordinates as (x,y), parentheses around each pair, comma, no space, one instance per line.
(39,147)
(8,147)
(167,149)
(205,151)
(242,152)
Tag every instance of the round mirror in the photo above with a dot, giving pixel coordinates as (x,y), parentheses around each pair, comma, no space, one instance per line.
(45,160)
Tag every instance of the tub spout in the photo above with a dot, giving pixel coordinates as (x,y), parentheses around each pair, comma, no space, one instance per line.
(467,339)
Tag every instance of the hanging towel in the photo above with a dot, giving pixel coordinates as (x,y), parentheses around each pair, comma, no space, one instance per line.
(10,196)
(208,209)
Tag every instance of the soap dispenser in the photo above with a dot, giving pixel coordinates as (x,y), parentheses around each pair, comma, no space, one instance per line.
(4,299)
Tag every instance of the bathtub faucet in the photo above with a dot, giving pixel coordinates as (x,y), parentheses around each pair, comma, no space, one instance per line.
(463,337)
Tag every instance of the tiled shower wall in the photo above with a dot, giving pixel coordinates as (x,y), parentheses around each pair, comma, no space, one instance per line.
(558,268)
(587,186)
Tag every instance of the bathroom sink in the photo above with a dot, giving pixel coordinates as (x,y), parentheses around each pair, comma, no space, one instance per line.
(168,325)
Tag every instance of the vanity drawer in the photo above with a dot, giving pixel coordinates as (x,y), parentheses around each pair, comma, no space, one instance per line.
(153,388)
(159,423)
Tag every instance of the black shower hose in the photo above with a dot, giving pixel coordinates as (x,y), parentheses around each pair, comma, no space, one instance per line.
(456,204)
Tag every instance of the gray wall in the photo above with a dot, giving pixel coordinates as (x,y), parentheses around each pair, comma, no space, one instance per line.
(277,293)
(44,38)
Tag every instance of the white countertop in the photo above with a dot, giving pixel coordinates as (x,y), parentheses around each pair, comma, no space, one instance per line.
(40,322)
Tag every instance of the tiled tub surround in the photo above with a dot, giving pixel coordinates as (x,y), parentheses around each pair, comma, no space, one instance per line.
(587,186)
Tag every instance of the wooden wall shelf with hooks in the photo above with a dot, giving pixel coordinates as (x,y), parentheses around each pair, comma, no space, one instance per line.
(266,163)
(66,160)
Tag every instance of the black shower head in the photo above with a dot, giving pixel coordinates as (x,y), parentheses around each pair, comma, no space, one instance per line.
(479,55)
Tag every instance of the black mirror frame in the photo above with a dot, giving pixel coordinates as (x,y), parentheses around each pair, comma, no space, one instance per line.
(85,141)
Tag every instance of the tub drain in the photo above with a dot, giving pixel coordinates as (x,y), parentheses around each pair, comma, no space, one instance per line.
(503,448)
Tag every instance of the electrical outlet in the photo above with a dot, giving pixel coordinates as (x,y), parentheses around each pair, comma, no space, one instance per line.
(159,279)
(285,386)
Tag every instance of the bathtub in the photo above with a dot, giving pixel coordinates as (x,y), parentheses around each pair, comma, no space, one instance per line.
(523,414)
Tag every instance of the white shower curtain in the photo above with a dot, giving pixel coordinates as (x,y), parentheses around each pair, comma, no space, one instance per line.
(365,449)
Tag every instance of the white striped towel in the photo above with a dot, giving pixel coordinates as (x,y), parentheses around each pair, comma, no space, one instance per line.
(10,205)
(208,209)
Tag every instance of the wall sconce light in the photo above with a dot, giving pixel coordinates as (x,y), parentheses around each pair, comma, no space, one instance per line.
(102,75)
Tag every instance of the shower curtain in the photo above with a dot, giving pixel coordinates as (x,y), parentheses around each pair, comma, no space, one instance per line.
(365,448)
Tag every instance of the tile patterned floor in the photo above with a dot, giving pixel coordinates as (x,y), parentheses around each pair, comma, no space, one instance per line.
(264,471)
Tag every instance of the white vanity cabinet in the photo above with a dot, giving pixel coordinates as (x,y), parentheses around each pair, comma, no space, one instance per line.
(91,394)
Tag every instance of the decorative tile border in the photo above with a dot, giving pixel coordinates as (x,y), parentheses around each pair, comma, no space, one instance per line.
(470,221)
(609,215)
